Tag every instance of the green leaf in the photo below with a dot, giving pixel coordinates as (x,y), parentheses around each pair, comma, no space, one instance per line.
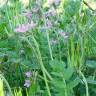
(59,84)
(73,83)
(72,7)
(90,80)
(57,65)
(32,89)
(68,73)
(91,63)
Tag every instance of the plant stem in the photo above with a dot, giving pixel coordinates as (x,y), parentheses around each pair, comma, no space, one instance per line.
(49,76)
(42,65)
(50,50)
(88,5)
(86,84)
(65,86)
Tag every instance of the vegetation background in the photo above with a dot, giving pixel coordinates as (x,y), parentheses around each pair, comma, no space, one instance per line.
(47,48)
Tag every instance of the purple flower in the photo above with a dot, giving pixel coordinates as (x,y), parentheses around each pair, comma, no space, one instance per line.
(63,34)
(38,2)
(57,2)
(27,83)
(53,42)
(15,17)
(50,2)
(48,24)
(53,1)
(28,74)
(22,28)
(35,9)
(50,12)
(27,14)
(25,27)
(32,25)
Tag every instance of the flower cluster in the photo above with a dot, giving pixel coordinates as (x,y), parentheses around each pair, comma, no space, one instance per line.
(27,81)
(56,2)
(50,13)
(53,42)
(63,34)
(35,9)
(28,74)
(27,13)
(25,27)
(48,23)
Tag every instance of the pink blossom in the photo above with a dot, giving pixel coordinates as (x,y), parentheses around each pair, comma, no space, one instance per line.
(25,27)
(22,28)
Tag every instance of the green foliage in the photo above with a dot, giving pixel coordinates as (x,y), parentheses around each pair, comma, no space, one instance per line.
(55,43)
(91,64)
(63,80)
